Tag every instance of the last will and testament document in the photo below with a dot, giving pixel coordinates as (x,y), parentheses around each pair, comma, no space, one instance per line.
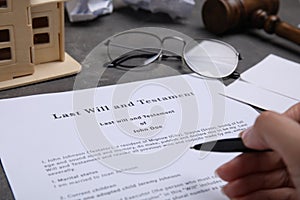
(121,142)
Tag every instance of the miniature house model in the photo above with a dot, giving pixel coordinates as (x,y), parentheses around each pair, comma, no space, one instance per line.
(32,42)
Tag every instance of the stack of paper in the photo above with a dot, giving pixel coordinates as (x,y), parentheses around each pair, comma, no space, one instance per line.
(272,84)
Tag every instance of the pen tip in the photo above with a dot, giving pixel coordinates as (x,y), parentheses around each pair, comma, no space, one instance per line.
(191,147)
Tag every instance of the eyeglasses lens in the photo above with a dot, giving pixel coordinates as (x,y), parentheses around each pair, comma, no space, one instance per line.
(211,58)
(134,49)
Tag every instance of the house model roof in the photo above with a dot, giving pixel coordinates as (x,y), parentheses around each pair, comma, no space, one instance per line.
(39,2)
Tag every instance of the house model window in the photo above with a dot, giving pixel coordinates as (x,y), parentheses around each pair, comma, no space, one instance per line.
(41,38)
(40,22)
(5,50)
(5,54)
(4,35)
(3,3)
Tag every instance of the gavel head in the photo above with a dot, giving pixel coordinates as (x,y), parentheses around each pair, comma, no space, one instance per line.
(220,16)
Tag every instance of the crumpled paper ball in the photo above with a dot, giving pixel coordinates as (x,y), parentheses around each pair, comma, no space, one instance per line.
(84,10)
(175,8)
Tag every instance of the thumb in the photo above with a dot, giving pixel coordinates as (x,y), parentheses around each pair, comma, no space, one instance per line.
(279,133)
(293,112)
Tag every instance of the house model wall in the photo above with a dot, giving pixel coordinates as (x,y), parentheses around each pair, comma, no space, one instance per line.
(31,33)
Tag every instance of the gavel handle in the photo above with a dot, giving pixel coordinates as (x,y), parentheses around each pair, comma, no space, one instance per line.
(273,24)
(287,31)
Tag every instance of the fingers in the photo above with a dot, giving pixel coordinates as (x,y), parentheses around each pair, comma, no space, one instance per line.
(273,175)
(267,180)
(280,133)
(250,163)
(293,112)
(272,194)
(268,122)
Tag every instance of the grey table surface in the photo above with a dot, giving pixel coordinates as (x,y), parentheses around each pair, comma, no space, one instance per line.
(82,38)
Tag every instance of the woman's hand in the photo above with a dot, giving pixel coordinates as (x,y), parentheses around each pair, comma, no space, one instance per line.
(269,175)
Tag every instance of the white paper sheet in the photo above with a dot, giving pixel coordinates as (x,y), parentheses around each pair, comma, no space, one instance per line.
(276,74)
(128,141)
(272,84)
(258,97)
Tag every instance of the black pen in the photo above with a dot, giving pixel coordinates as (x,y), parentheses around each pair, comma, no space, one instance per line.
(225,145)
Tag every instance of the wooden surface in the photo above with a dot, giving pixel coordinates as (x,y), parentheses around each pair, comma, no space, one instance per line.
(82,38)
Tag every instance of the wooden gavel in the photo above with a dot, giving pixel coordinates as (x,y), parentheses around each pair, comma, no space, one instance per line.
(220,16)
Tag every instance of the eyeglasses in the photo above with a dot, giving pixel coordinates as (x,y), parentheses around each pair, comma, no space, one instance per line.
(206,57)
